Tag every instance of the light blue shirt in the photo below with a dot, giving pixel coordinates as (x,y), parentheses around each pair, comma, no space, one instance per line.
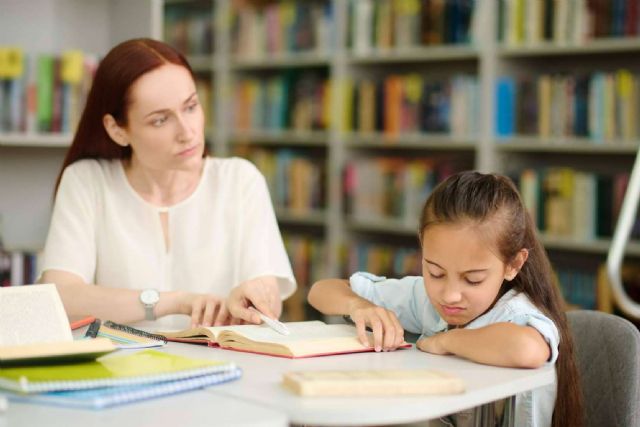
(408,299)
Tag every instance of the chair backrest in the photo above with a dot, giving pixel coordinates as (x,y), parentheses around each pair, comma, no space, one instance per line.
(607,351)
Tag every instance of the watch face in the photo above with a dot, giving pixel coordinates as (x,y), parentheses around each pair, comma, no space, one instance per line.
(149,296)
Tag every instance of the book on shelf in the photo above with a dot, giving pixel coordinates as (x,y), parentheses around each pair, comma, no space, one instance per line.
(373,382)
(307,339)
(143,367)
(35,329)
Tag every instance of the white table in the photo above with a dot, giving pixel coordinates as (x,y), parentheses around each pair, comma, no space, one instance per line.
(262,376)
(194,409)
(258,399)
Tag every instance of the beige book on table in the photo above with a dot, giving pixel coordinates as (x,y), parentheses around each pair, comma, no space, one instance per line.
(373,382)
(35,328)
(306,339)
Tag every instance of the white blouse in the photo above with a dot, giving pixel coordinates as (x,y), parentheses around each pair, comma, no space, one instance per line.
(223,234)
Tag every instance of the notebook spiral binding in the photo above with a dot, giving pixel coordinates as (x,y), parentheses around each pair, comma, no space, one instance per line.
(134,331)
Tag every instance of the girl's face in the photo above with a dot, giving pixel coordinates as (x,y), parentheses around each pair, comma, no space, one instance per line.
(165,120)
(462,276)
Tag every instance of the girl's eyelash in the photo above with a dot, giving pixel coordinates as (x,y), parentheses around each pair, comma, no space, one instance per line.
(471,282)
(436,276)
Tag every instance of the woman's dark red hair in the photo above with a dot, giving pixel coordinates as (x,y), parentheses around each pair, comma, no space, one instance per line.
(110,94)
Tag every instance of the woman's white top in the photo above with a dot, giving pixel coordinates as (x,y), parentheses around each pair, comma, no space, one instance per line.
(223,234)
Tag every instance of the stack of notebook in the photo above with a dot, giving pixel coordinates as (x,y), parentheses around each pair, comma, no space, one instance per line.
(115,380)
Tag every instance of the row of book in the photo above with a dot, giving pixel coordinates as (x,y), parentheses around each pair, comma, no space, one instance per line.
(401,104)
(600,106)
(17,267)
(282,28)
(295,178)
(295,101)
(308,257)
(43,93)
(524,22)
(188,26)
(392,188)
(204,88)
(573,203)
(382,259)
(402,24)
(578,286)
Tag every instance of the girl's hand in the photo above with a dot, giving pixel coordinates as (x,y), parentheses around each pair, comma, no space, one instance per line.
(388,334)
(433,344)
(205,309)
(261,293)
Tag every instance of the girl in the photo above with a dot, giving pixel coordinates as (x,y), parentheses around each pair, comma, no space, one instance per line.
(487,294)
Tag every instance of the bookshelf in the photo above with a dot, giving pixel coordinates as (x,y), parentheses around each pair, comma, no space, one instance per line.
(340,60)
(29,162)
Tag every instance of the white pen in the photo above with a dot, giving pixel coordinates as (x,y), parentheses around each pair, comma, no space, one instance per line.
(274,324)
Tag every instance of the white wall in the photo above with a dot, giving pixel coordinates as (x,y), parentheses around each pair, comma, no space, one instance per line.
(27,174)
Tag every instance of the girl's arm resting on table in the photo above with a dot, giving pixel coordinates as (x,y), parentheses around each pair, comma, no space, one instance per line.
(335,297)
(123,305)
(500,344)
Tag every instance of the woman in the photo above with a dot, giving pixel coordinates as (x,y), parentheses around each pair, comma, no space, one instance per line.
(147,217)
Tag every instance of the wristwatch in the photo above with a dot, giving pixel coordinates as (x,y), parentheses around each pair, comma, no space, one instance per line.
(149,298)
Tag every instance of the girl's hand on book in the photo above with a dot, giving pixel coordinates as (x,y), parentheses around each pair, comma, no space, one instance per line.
(262,293)
(388,334)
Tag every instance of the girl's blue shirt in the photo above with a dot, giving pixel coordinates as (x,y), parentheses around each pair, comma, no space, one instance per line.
(408,299)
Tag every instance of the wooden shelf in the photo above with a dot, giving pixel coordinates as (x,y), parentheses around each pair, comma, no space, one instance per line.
(416,54)
(268,61)
(200,63)
(596,246)
(566,145)
(35,140)
(312,218)
(415,141)
(590,47)
(387,226)
(278,138)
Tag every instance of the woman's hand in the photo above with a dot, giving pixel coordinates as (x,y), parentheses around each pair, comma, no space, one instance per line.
(388,334)
(433,344)
(262,293)
(205,309)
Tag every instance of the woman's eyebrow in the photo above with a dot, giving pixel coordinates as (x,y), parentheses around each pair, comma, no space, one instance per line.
(164,110)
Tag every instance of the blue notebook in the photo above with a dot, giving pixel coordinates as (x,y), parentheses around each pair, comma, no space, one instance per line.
(143,367)
(105,397)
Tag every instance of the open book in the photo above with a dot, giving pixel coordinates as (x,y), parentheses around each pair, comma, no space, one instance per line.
(307,339)
(372,382)
(35,329)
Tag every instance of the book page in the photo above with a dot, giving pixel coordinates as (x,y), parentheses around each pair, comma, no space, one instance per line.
(305,339)
(32,314)
(300,331)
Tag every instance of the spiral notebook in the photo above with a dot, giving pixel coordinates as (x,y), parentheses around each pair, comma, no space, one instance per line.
(106,397)
(143,367)
(123,336)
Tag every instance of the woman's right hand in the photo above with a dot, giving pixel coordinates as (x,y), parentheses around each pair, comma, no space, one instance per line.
(388,334)
(205,309)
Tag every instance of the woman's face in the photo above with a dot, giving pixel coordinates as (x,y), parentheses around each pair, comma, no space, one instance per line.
(462,275)
(165,120)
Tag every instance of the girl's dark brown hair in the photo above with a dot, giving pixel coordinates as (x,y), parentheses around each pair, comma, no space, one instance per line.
(493,200)
(110,94)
